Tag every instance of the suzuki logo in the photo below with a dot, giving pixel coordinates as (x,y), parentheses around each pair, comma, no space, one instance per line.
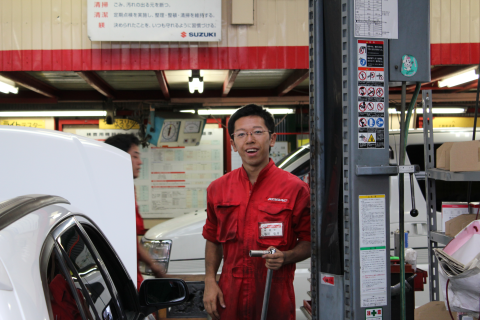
(183,34)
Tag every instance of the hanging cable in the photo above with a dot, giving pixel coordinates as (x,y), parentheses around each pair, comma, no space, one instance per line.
(448,302)
(409,113)
(401,198)
(476,105)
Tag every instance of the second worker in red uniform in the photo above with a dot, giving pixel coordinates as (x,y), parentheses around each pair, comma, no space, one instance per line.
(255,207)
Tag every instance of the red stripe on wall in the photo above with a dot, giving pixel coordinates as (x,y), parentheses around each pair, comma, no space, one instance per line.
(27,59)
(465,53)
(454,53)
(137,57)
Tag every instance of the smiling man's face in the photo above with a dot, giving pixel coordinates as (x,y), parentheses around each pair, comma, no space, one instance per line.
(253,148)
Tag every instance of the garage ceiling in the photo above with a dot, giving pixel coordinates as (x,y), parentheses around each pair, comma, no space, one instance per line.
(221,87)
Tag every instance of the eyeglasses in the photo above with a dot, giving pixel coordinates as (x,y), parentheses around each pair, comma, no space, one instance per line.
(243,135)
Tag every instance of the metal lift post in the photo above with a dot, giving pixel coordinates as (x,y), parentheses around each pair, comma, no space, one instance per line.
(352,65)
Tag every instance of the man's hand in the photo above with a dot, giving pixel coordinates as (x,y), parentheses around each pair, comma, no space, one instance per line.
(274,261)
(211,293)
(157,271)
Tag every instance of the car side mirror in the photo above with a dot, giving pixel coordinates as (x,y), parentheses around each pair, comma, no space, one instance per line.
(156,294)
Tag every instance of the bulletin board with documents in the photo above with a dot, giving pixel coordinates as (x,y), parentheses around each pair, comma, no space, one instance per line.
(173,180)
(177,177)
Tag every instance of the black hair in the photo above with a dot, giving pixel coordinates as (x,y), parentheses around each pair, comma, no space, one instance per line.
(123,141)
(251,110)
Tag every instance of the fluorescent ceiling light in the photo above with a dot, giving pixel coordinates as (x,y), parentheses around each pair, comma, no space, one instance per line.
(232,111)
(281,111)
(7,86)
(195,82)
(31,114)
(393,111)
(459,79)
(434,111)
(443,110)
(187,111)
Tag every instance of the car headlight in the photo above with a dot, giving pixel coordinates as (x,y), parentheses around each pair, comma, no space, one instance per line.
(159,251)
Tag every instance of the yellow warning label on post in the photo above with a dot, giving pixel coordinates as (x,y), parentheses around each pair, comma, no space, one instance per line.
(372,196)
(371,139)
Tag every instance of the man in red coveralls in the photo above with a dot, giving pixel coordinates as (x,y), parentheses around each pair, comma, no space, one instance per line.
(129,143)
(255,207)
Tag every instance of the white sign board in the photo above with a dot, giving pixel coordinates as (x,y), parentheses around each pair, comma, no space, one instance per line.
(373,254)
(376,19)
(174,180)
(159,20)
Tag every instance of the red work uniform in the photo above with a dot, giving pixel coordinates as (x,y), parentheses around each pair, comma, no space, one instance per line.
(140,232)
(235,212)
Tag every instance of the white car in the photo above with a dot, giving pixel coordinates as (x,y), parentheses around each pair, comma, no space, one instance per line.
(179,246)
(56,263)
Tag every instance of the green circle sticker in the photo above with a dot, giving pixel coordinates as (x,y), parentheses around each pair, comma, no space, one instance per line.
(409,65)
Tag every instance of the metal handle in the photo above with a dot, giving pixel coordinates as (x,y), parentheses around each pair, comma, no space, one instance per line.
(259,253)
(414,211)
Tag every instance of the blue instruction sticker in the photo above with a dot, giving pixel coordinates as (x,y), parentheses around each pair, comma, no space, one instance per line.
(371,122)
(380,122)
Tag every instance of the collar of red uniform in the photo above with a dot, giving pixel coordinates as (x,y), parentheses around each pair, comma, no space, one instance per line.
(262,173)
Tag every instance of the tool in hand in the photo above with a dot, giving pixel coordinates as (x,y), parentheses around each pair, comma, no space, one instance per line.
(266,296)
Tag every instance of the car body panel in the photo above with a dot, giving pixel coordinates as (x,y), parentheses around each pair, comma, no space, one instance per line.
(82,170)
(21,244)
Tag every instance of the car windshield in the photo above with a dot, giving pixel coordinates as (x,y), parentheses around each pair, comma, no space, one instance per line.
(291,158)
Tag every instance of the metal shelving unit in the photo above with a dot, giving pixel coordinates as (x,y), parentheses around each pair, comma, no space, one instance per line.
(435,237)
(439,237)
(432,174)
(438,174)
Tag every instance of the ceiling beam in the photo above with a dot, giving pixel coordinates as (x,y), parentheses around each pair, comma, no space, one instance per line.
(297,77)
(439,97)
(30,82)
(231,101)
(439,73)
(471,85)
(97,83)
(81,96)
(162,81)
(427,86)
(229,80)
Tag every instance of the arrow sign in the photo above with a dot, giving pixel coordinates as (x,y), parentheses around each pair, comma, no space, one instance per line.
(328,280)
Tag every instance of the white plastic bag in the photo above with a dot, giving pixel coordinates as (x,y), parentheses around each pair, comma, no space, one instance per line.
(411,258)
(463,292)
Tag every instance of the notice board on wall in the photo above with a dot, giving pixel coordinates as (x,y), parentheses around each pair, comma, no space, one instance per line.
(159,20)
(173,180)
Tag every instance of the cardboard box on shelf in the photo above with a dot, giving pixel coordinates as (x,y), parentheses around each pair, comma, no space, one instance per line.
(464,156)
(443,156)
(457,224)
(434,310)
(452,210)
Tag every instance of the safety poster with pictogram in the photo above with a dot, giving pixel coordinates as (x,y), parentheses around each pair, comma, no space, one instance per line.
(371,94)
